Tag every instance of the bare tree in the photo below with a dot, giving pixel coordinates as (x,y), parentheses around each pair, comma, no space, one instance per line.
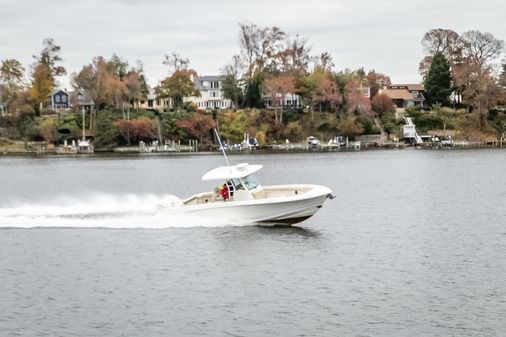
(269,46)
(248,40)
(444,41)
(326,61)
(439,40)
(50,57)
(177,62)
(481,48)
(295,58)
(259,46)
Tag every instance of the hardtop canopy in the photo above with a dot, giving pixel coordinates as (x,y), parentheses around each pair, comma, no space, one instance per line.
(231,172)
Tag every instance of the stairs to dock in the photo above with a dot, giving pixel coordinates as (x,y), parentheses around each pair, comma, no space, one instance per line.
(409,131)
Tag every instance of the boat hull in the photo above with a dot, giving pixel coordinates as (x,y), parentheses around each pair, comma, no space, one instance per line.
(277,210)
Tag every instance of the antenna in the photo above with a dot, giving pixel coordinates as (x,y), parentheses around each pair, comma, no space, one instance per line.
(221,146)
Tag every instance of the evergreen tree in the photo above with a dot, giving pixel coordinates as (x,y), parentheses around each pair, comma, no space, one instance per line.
(438,82)
(232,90)
(253,95)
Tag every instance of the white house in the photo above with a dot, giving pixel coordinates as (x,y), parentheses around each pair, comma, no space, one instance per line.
(211,95)
(290,101)
(152,102)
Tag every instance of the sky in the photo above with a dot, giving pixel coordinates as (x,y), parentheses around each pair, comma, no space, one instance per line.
(384,35)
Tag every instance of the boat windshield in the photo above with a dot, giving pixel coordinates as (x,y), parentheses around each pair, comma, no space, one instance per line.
(250,182)
(237,184)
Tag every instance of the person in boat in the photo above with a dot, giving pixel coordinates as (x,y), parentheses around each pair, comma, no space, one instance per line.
(226,190)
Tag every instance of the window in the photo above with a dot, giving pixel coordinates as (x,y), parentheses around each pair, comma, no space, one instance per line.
(237,184)
(64,99)
(80,97)
(57,99)
(250,182)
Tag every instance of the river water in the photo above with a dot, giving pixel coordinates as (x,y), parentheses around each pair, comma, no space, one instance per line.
(413,245)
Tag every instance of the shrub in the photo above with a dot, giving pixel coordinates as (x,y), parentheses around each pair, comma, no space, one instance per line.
(106,135)
(382,103)
(349,127)
(391,128)
(368,125)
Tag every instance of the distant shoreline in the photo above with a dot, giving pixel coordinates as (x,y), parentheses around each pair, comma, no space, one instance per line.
(133,153)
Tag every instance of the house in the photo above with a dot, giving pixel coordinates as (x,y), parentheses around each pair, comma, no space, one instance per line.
(416,90)
(365,89)
(400,97)
(290,100)
(59,99)
(81,100)
(405,95)
(211,95)
(152,102)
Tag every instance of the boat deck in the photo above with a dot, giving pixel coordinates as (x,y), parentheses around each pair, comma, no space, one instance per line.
(264,193)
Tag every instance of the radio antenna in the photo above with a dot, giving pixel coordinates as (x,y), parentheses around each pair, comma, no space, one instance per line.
(221,146)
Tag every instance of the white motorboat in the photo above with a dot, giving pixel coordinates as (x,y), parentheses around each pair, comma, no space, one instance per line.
(240,199)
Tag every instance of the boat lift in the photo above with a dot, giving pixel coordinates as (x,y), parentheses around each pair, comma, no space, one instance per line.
(409,132)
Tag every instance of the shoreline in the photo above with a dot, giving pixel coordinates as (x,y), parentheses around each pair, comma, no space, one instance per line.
(136,153)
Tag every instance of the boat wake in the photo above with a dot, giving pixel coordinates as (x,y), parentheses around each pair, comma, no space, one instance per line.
(100,211)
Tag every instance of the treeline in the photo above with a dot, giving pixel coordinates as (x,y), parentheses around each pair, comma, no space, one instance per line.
(461,71)
(464,71)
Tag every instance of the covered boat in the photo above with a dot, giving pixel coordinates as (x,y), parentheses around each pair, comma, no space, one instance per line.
(240,199)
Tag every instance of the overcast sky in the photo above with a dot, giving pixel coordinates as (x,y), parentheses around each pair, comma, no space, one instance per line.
(383,35)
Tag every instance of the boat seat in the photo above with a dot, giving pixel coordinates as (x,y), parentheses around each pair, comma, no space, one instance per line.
(240,195)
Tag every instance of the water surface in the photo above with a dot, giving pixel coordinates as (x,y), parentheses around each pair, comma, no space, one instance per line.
(413,245)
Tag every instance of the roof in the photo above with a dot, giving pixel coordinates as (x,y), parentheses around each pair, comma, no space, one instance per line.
(55,91)
(81,101)
(403,94)
(410,87)
(231,172)
(199,81)
(210,78)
